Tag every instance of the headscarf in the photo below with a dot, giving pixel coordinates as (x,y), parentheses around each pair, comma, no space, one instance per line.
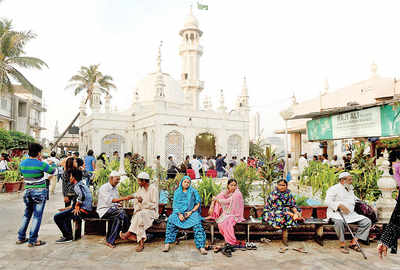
(236,203)
(185,201)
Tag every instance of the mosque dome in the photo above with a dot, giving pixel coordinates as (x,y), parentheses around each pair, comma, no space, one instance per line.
(146,88)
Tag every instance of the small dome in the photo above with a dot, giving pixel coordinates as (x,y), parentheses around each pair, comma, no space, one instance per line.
(191,21)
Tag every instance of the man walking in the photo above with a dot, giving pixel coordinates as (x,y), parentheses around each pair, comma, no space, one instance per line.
(35,194)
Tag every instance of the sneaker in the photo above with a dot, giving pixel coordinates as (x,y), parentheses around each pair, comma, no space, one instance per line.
(63,240)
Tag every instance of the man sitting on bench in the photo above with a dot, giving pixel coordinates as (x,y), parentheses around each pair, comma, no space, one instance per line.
(109,207)
(81,208)
(146,211)
(340,197)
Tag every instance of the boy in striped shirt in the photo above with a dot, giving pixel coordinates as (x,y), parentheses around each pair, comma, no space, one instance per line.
(35,195)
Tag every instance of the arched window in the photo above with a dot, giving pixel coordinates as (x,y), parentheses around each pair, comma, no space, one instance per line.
(234,146)
(174,146)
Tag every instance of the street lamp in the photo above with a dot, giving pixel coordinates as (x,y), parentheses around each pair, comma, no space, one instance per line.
(286,115)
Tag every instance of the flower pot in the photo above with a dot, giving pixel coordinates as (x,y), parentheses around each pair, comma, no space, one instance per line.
(321,211)
(259,210)
(246,213)
(12,186)
(306,211)
(204,211)
(22,186)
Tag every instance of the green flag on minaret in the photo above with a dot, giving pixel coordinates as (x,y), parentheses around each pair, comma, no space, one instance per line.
(202,7)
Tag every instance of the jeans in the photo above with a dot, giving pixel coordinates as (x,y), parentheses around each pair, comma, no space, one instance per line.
(63,220)
(220,174)
(35,201)
(120,222)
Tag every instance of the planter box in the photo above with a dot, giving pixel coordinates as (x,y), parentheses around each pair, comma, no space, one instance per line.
(306,211)
(12,186)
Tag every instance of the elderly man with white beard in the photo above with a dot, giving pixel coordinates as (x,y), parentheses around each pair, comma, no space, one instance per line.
(340,197)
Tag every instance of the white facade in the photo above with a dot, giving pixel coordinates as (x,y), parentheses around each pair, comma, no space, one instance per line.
(165,116)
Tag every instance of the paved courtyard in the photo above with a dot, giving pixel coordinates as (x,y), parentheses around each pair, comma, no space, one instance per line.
(91,253)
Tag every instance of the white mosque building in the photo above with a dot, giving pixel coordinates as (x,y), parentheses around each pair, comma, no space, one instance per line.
(165,116)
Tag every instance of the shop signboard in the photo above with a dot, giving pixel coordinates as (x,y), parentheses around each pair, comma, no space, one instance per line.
(380,121)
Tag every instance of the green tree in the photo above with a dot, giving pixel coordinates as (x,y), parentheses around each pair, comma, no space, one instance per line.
(257,148)
(88,78)
(12,57)
(19,140)
(5,139)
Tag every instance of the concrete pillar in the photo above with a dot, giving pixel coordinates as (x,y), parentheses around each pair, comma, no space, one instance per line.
(387,185)
(331,148)
(295,146)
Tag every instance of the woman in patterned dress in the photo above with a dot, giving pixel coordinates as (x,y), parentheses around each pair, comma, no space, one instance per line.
(280,210)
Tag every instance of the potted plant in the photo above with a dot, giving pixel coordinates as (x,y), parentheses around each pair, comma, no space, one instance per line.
(170,185)
(207,189)
(269,172)
(306,210)
(12,180)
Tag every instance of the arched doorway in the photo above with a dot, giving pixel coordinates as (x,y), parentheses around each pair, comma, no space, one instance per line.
(205,145)
(112,143)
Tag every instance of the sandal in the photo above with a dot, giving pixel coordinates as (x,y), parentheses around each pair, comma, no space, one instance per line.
(344,250)
(355,248)
(301,250)
(166,248)
(19,242)
(265,240)
(283,249)
(227,251)
(251,246)
(139,248)
(203,251)
(38,243)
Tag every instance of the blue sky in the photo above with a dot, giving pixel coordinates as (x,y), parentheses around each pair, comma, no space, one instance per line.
(281,46)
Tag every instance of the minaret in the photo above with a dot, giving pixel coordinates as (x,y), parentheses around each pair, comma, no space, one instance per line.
(245,94)
(222,107)
(56,131)
(190,52)
(159,83)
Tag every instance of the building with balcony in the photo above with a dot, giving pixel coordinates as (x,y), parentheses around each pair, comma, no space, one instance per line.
(22,111)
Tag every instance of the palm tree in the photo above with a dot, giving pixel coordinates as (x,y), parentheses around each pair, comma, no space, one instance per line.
(89,77)
(12,53)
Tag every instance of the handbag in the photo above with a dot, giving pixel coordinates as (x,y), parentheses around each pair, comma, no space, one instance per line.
(362,208)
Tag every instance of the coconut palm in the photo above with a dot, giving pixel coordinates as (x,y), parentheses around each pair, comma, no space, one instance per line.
(12,57)
(88,78)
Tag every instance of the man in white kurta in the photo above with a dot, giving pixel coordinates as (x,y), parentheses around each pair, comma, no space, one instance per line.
(340,197)
(146,211)
(303,162)
(196,166)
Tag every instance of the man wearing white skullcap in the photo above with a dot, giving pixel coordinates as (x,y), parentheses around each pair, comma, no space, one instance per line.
(108,207)
(146,211)
(340,197)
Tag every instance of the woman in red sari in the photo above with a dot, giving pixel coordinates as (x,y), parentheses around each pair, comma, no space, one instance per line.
(227,210)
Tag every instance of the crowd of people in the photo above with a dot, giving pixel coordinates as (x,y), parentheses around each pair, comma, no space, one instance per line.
(280,211)
(211,166)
